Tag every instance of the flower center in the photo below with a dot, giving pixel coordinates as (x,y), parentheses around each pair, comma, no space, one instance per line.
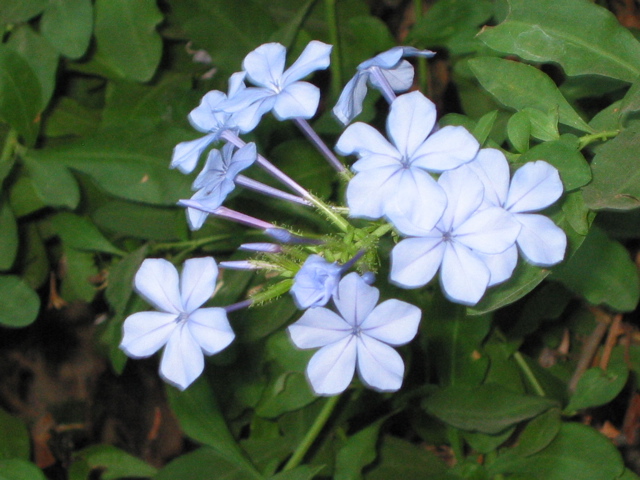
(182,317)
(356,331)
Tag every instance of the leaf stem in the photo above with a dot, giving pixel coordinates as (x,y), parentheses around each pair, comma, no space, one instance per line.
(334,39)
(7,157)
(595,137)
(528,373)
(423,71)
(312,434)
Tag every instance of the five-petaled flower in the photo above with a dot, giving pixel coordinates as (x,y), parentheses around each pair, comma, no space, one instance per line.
(360,337)
(385,70)
(278,89)
(185,329)
(456,244)
(392,178)
(217,178)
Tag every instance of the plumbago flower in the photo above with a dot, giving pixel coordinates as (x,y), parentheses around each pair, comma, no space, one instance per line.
(534,186)
(392,178)
(185,329)
(278,89)
(217,178)
(360,337)
(385,70)
(457,243)
(210,119)
(316,282)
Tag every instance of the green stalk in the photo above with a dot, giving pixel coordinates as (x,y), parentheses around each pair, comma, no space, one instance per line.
(337,220)
(595,137)
(334,39)
(528,373)
(423,70)
(7,157)
(312,434)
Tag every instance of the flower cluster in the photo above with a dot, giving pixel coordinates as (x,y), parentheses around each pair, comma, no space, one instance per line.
(457,209)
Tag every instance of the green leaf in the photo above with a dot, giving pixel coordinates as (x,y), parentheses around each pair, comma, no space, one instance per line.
(20,304)
(603,272)
(544,126)
(485,443)
(53,183)
(538,433)
(68,25)
(20,97)
(17,12)
(581,36)
(304,472)
(201,419)
(114,463)
(35,265)
(578,451)
(597,387)
(68,117)
(80,269)
(41,57)
(8,237)
(402,459)
(287,34)
(202,464)
(12,469)
(488,408)
(484,126)
(519,131)
(628,475)
(121,275)
(616,178)
(358,452)
(79,233)
(14,439)
(566,157)
(519,86)
(127,38)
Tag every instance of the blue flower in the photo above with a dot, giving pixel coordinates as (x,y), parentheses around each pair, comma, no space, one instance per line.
(278,89)
(534,186)
(185,329)
(361,336)
(392,178)
(216,180)
(457,243)
(395,72)
(315,283)
(210,119)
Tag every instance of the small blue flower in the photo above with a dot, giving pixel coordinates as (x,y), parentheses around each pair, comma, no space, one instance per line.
(361,337)
(456,244)
(395,72)
(278,89)
(216,180)
(180,325)
(210,119)
(534,186)
(315,283)
(392,178)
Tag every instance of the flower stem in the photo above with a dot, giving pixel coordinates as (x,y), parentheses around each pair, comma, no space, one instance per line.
(423,71)
(528,373)
(319,144)
(334,39)
(328,212)
(594,137)
(312,434)
(256,186)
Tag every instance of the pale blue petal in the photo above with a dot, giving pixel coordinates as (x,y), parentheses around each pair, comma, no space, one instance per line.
(315,283)
(248,118)
(492,168)
(318,327)
(534,186)
(379,366)
(541,241)
(207,116)
(212,171)
(331,369)
(393,322)
(245,97)
(500,265)
(146,332)
(299,99)
(410,120)
(446,149)
(265,65)
(236,83)
(491,231)
(196,218)
(366,192)
(186,154)
(364,140)
(182,360)
(385,60)
(355,299)
(243,159)
(373,160)
(464,193)
(414,195)
(315,56)
(211,330)
(414,261)
(400,78)
(197,282)
(463,276)
(349,104)
(157,282)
